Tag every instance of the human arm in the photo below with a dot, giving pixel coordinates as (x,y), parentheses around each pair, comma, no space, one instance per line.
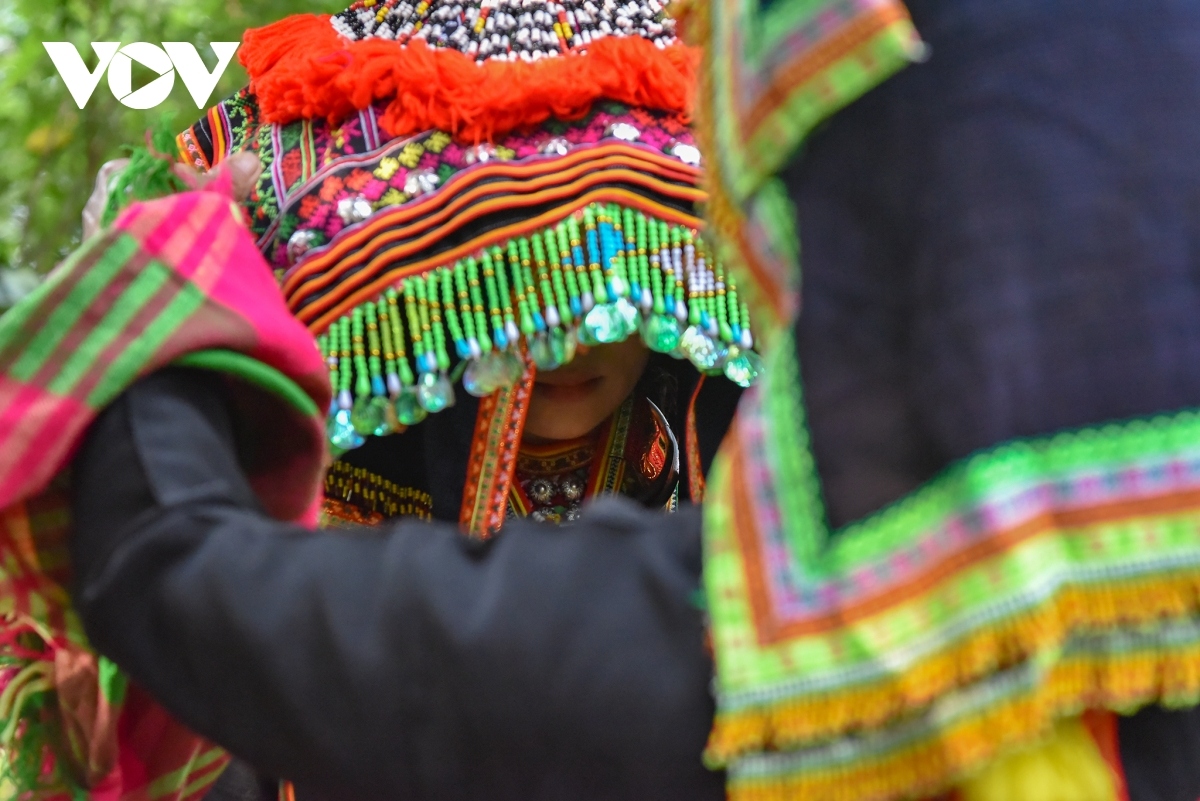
(405,662)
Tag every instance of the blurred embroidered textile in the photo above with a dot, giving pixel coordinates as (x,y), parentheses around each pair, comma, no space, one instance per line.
(906,652)
(172,281)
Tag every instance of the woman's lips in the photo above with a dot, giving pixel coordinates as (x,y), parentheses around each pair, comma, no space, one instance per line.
(567,390)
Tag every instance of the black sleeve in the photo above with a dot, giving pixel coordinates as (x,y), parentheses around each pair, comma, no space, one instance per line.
(406,662)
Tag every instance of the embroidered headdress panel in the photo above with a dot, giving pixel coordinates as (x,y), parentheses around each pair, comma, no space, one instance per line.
(467,191)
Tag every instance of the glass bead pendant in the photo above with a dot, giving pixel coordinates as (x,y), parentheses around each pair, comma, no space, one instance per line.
(743,367)
(435,392)
(342,435)
(408,409)
(718,367)
(584,334)
(383,411)
(661,333)
(699,349)
(476,380)
(488,373)
(542,353)
(562,344)
(369,416)
(629,315)
(604,324)
(513,368)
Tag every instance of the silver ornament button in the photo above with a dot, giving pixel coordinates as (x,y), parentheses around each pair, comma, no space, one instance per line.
(479,154)
(556,146)
(572,488)
(300,243)
(354,209)
(420,182)
(688,154)
(541,491)
(623,131)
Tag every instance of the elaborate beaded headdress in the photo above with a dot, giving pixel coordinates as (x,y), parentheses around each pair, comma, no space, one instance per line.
(456,189)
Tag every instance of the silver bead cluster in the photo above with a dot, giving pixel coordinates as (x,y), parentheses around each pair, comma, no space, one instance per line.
(542,490)
(526,30)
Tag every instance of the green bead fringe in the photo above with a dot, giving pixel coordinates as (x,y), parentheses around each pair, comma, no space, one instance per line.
(600,276)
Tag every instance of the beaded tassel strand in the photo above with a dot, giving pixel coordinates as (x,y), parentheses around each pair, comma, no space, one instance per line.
(605,273)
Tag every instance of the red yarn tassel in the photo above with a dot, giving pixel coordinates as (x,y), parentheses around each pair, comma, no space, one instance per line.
(300,67)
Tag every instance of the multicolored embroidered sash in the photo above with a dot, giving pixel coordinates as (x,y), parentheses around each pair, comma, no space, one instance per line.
(1022,586)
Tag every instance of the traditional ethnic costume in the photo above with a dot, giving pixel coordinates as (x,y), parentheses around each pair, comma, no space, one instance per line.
(449,187)
(972,536)
(972,630)
(453,197)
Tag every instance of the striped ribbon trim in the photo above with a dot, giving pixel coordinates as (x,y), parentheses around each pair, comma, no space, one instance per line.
(458,221)
(904,651)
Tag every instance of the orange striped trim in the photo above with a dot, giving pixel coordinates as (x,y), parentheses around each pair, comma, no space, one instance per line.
(320,314)
(217,126)
(498,201)
(455,198)
(771,629)
(493,460)
(930,764)
(695,466)
(783,83)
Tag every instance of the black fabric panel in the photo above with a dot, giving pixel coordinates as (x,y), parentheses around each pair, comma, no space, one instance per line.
(407,662)
(1005,242)
(240,782)
(1002,242)
(448,436)
(430,456)
(1160,750)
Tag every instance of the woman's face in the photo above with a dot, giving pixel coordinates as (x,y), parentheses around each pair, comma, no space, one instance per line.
(572,400)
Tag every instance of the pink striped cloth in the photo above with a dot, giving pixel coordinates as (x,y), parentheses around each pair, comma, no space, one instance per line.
(172,281)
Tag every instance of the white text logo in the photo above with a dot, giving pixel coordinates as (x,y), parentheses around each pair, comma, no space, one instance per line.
(165,61)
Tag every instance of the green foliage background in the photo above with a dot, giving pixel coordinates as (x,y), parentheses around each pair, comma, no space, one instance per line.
(50,149)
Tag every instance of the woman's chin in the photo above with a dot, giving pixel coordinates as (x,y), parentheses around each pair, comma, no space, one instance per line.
(561,418)
(560,427)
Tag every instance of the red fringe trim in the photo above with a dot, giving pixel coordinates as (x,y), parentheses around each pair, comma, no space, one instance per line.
(300,67)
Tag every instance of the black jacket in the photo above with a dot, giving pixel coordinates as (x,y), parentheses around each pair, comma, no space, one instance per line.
(403,662)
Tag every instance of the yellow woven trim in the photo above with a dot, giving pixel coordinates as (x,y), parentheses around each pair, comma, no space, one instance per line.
(935,764)
(1074,609)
